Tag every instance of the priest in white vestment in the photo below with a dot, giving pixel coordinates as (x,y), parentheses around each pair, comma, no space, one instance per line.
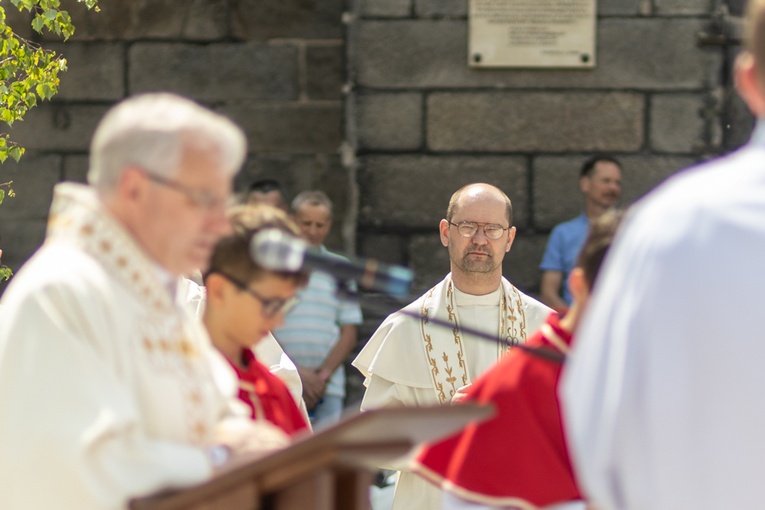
(109,389)
(411,361)
(664,389)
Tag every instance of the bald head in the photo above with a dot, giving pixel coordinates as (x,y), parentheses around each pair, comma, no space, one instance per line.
(478,193)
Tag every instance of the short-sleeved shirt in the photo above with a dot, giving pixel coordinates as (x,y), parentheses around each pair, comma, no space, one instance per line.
(312,328)
(566,240)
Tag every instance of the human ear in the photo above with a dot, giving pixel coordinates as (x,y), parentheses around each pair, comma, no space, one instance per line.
(748,83)
(510,238)
(584,184)
(577,285)
(443,229)
(216,290)
(130,184)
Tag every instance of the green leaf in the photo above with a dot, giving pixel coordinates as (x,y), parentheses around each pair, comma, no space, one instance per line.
(38,23)
(5,273)
(29,72)
(2,195)
(16,152)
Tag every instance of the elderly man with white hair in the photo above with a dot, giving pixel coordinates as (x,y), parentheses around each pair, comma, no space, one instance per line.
(109,389)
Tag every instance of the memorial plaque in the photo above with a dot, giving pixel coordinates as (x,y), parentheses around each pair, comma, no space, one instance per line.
(532,33)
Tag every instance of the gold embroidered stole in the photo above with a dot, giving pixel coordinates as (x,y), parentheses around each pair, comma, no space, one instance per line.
(446,354)
(163,338)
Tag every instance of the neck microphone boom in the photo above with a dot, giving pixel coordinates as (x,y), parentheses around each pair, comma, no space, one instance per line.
(278,251)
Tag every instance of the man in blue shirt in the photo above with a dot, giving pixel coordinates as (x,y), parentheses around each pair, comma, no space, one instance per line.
(600,183)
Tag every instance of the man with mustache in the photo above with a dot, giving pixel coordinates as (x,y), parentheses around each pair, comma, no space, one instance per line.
(411,361)
(600,181)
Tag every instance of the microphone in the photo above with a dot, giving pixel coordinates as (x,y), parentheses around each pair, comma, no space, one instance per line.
(278,251)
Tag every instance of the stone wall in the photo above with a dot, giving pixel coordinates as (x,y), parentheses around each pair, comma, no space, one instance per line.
(277,68)
(373,101)
(423,123)
(426,123)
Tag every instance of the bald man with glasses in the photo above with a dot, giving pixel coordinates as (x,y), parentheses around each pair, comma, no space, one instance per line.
(413,361)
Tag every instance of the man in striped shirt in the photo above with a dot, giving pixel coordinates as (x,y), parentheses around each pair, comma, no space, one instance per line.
(320,332)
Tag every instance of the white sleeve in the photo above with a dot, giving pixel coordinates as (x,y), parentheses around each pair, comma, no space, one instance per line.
(71,433)
(270,353)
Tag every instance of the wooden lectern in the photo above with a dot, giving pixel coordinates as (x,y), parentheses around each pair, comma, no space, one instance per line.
(329,470)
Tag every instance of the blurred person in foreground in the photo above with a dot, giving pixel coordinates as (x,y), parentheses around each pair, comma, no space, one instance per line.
(663,391)
(244,302)
(109,389)
(480,468)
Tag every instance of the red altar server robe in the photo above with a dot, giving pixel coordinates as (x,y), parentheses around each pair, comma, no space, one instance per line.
(267,396)
(518,457)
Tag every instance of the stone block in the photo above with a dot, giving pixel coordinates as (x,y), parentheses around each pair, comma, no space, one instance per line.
(195,20)
(216,72)
(633,53)
(683,7)
(58,127)
(387,248)
(643,173)
(521,263)
(333,179)
(441,8)
(325,70)
(389,121)
(295,128)
(299,19)
(76,168)
(622,7)
(556,190)
(677,123)
(737,7)
(411,193)
(556,183)
(20,21)
(737,127)
(33,179)
(429,260)
(535,121)
(94,71)
(20,239)
(295,172)
(385,8)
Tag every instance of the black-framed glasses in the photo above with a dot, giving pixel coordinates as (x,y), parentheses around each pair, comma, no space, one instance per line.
(201,199)
(470,228)
(269,306)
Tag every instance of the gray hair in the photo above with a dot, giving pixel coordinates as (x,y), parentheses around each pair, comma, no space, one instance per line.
(151,131)
(311,197)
